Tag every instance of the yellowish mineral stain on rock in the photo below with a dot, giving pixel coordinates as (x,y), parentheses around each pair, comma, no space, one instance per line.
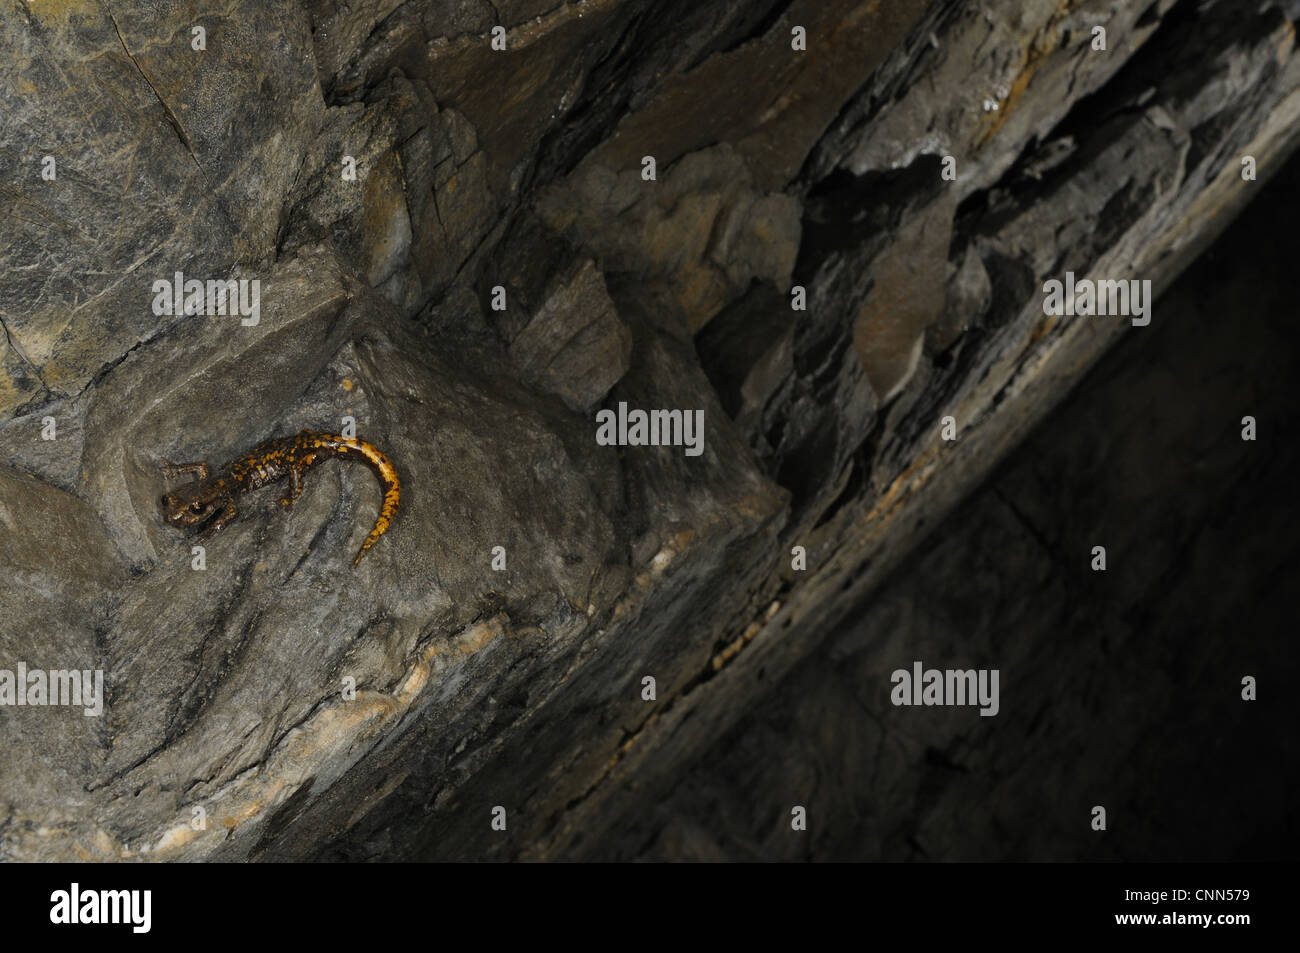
(908,297)
(337,735)
(57,12)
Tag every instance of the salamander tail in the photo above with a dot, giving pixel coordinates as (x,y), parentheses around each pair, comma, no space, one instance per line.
(391,485)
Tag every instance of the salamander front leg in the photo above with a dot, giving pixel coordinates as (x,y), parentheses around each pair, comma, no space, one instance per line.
(218,524)
(173,470)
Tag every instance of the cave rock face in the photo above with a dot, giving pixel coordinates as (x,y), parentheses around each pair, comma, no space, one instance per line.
(777,242)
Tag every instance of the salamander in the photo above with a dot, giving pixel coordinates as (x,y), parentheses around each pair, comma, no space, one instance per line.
(209,503)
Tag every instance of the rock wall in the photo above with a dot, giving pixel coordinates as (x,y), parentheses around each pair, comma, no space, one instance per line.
(1120,688)
(460,246)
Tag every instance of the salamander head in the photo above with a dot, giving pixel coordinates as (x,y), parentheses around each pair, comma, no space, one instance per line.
(191,505)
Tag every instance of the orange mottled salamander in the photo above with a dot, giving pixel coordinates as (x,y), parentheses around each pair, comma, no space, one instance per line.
(210,502)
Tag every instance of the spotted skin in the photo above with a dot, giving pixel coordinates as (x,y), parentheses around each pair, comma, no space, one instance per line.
(209,502)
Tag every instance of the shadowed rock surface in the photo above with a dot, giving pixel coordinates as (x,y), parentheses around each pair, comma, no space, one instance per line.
(518,175)
(1121,688)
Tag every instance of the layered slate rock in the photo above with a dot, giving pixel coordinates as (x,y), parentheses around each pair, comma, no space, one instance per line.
(498,635)
(1121,688)
(164,157)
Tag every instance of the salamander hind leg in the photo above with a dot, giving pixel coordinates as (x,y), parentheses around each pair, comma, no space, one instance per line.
(295,486)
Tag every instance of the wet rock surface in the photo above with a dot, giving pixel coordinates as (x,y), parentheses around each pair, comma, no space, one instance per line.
(459,250)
